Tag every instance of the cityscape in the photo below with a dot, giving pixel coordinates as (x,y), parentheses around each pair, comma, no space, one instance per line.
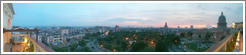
(92,27)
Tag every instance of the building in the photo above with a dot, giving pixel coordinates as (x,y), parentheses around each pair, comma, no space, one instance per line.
(191,27)
(200,35)
(222,22)
(8,13)
(238,25)
(64,31)
(166,27)
(55,40)
(117,28)
(18,39)
(218,35)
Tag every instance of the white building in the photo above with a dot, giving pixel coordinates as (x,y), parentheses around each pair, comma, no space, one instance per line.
(64,31)
(8,13)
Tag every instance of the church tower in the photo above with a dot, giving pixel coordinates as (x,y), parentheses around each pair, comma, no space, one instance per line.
(222,22)
(165,27)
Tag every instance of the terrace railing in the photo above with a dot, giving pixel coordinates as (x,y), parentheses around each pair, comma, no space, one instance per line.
(223,45)
(29,40)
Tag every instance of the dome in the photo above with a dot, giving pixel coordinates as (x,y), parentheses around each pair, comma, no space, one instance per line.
(222,22)
(222,18)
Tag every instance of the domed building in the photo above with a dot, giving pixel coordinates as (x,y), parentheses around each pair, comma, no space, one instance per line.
(222,22)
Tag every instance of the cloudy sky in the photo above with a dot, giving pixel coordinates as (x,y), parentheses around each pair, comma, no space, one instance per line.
(126,14)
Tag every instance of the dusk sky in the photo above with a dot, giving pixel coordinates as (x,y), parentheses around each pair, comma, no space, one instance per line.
(126,14)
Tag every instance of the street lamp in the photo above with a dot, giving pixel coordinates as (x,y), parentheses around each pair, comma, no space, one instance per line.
(237,44)
(114,50)
(152,42)
(101,45)
(126,38)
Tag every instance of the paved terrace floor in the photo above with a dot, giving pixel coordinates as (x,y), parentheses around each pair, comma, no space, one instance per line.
(18,48)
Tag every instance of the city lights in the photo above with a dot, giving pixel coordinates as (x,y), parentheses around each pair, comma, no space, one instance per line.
(237,44)
(25,40)
(126,38)
(101,45)
(152,42)
(121,30)
(114,50)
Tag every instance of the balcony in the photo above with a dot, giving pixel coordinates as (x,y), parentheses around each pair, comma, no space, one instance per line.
(232,43)
(26,44)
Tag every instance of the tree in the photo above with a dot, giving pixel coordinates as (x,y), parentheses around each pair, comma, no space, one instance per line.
(161,46)
(182,34)
(190,33)
(73,46)
(176,40)
(166,41)
(207,37)
(138,46)
(124,45)
(82,43)
(199,35)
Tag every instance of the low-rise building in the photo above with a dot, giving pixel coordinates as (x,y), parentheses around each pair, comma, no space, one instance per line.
(199,35)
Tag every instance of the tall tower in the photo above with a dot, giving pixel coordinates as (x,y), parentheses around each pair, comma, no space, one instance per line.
(165,27)
(222,22)
(117,28)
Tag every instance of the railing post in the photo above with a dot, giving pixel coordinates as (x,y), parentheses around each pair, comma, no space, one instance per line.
(225,47)
(34,47)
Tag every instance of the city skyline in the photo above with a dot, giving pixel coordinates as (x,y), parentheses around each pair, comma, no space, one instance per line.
(126,14)
(122,27)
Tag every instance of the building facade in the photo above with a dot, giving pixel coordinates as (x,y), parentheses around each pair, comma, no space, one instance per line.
(218,35)
(117,28)
(8,13)
(238,25)
(200,35)
(166,27)
(222,22)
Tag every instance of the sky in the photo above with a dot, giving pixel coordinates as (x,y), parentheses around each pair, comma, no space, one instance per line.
(126,14)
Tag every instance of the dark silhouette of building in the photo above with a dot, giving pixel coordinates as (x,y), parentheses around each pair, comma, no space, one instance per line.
(222,22)
(178,27)
(165,27)
(191,27)
(117,28)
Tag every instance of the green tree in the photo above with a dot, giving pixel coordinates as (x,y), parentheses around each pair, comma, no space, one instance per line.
(161,46)
(124,45)
(82,43)
(138,46)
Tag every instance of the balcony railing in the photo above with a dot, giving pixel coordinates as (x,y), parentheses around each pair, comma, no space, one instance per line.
(38,46)
(222,45)
(28,43)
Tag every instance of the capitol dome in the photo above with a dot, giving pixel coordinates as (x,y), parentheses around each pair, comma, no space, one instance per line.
(222,22)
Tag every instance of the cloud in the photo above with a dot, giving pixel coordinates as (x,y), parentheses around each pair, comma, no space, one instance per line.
(141,14)
(121,20)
